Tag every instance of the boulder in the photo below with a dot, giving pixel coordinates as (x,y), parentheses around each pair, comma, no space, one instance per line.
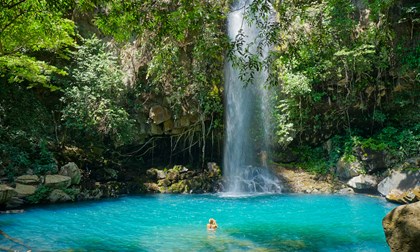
(28,180)
(348,169)
(71,170)
(402,228)
(58,195)
(401,180)
(152,173)
(161,174)
(173,175)
(410,196)
(57,181)
(159,114)
(25,190)
(6,193)
(363,182)
(152,187)
(346,191)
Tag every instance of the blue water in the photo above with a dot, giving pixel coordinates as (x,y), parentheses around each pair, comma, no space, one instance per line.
(178,223)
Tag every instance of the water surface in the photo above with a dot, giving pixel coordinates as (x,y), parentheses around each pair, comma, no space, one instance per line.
(178,223)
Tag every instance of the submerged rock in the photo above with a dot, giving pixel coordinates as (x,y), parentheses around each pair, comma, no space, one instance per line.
(402,228)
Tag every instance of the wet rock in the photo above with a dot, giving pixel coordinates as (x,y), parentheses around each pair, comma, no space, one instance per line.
(401,180)
(71,170)
(159,114)
(211,166)
(57,181)
(25,190)
(6,193)
(363,182)
(346,191)
(348,169)
(58,195)
(28,180)
(402,228)
(179,187)
(14,203)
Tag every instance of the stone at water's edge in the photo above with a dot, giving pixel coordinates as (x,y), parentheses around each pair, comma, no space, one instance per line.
(6,193)
(57,181)
(25,190)
(402,228)
(58,195)
(28,180)
(401,180)
(71,170)
(410,196)
(346,170)
(363,182)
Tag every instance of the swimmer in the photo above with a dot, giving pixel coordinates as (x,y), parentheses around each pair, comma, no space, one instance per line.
(212,225)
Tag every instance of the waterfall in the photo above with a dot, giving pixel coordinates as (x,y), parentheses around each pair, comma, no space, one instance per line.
(247,115)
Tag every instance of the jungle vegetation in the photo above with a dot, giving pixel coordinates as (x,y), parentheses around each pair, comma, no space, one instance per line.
(77,80)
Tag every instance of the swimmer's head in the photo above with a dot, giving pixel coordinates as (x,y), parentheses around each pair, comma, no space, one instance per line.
(212,221)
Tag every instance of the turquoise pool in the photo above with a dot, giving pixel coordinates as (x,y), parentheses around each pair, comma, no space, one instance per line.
(178,223)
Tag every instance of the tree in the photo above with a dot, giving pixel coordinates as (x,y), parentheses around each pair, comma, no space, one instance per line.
(27,28)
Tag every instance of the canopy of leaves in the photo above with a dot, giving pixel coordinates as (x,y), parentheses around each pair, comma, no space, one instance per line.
(27,28)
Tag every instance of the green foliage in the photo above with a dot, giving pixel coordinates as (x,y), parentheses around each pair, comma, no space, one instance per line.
(28,27)
(94,97)
(312,159)
(182,44)
(40,195)
(25,131)
(335,63)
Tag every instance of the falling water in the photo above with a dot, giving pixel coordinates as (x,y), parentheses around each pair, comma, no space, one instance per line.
(247,114)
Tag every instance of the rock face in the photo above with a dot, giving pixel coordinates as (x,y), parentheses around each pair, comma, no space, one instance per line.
(363,182)
(71,170)
(159,114)
(373,161)
(6,193)
(346,169)
(25,190)
(401,180)
(57,181)
(181,180)
(28,180)
(402,228)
